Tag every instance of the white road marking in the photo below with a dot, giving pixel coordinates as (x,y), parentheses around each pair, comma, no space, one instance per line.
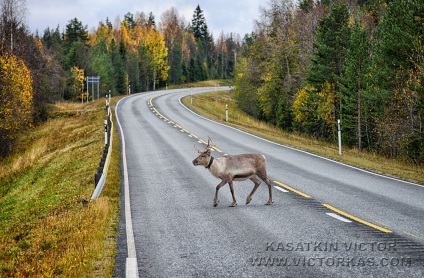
(338,217)
(131,262)
(302,151)
(281,189)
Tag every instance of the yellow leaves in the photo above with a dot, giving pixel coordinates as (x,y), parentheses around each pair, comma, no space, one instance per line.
(327,98)
(302,106)
(155,43)
(103,33)
(16,97)
(312,107)
(144,36)
(77,79)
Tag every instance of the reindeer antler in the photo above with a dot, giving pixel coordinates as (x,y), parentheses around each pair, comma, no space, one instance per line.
(210,143)
(197,148)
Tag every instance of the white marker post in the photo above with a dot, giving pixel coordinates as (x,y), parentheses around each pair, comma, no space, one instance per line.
(105,132)
(339,128)
(226,112)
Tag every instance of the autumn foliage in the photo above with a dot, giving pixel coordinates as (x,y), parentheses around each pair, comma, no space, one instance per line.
(310,63)
(16,99)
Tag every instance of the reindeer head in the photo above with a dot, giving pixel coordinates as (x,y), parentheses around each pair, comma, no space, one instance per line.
(205,155)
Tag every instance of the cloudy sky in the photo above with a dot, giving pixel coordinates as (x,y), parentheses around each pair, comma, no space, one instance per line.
(234,16)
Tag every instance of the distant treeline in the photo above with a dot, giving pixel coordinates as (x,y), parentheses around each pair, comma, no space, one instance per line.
(134,54)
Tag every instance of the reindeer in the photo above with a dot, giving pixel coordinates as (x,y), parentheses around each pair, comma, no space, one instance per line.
(234,168)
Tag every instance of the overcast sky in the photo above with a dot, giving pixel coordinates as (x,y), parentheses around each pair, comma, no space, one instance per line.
(234,16)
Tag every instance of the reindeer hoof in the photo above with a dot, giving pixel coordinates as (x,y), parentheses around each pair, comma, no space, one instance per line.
(248,201)
(269,203)
(215,204)
(233,205)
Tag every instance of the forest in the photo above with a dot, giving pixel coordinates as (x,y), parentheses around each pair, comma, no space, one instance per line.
(305,65)
(308,65)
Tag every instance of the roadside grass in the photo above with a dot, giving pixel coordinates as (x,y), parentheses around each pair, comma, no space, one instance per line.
(207,83)
(212,105)
(46,231)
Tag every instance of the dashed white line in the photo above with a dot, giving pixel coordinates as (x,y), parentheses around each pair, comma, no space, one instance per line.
(338,217)
(281,189)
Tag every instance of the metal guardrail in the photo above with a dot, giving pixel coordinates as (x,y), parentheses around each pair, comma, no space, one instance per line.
(100,176)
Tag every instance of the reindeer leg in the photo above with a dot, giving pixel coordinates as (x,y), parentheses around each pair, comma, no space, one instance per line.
(268,182)
(215,200)
(257,183)
(232,194)
(262,174)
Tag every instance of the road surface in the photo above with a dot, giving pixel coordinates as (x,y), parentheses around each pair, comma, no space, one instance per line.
(327,220)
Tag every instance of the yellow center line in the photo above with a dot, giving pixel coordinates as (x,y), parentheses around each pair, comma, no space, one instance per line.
(383,224)
(409,234)
(185,130)
(204,142)
(292,189)
(215,148)
(357,219)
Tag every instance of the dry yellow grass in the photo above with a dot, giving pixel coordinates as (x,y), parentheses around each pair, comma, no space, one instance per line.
(212,105)
(46,231)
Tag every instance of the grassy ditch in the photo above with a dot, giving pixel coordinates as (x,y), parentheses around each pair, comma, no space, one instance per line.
(207,83)
(46,231)
(212,105)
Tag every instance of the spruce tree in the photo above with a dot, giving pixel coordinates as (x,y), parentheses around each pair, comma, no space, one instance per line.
(332,40)
(356,99)
(397,78)
(327,63)
(119,69)
(198,24)
(75,31)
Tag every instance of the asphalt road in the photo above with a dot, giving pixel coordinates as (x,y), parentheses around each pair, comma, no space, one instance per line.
(327,220)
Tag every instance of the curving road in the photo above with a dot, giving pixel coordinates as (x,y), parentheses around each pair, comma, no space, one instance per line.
(327,220)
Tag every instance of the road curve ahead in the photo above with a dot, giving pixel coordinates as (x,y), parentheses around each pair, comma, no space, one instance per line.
(327,220)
